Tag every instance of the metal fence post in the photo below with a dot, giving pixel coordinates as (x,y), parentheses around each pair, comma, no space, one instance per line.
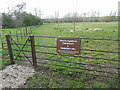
(9,49)
(33,51)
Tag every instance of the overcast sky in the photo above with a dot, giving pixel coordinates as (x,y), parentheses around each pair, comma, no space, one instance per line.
(49,7)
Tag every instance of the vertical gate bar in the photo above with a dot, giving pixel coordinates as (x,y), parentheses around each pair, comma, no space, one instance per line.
(33,51)
(16,35)
(9,49)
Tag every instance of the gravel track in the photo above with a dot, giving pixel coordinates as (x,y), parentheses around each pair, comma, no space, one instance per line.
(15,75)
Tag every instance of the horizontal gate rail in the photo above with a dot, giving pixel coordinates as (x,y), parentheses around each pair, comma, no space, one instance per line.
(73,62)
(71,55)
(80,63)
(82,69)
(85,69)
(78,56)
(81,49)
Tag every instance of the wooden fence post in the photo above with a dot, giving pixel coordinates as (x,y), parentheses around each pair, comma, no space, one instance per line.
(21,33)
(17,35)
(2,43)
(26,30)
(33,51)
(9,49)
(30,30)
(10,32)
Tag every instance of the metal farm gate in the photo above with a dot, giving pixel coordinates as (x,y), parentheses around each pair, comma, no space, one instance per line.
(40,51)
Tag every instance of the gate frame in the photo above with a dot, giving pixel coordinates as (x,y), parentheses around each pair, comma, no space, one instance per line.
(33,51)
(10,49)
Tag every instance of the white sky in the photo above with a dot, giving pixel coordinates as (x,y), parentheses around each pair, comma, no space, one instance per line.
(49,7)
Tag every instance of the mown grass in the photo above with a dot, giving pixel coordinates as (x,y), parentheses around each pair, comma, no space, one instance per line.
(67,78)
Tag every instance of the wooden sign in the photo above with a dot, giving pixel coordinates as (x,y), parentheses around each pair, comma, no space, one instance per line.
(68,46)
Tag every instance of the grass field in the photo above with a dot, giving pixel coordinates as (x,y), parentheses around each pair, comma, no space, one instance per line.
(100,30)
(82,30)
(108,31)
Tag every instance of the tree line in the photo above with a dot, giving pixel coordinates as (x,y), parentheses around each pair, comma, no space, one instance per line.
(17,17)
(93,16)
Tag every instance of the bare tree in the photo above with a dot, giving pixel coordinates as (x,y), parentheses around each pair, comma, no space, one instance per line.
(93,16)
(38,12)
(56,16)
(98,14)
(76,4)
(67,17)
(17,10)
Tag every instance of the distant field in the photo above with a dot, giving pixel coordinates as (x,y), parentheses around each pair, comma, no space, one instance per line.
(83,29)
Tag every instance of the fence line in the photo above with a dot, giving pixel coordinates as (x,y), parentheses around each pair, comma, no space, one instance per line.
(56,47)
(35,59)
(67,37)
(24,31)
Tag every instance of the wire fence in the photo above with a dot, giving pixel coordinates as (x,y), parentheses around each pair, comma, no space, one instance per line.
(43,53)
(21,31)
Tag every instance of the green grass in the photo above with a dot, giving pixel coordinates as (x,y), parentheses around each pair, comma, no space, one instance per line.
(63,30)
(50,79)
(109,31)
(66,77)
(46,78)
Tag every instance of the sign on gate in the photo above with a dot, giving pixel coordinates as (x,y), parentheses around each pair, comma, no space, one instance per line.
(68,46)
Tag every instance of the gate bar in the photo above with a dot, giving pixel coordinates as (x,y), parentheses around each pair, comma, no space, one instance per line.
(9,49)
(33,51)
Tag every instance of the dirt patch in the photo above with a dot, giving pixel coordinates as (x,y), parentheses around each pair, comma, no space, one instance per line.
(15,75)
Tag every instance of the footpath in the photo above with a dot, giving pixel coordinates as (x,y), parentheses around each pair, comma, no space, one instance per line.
(15,75)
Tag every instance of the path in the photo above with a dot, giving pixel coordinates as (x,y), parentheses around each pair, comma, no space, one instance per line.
(15,75)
